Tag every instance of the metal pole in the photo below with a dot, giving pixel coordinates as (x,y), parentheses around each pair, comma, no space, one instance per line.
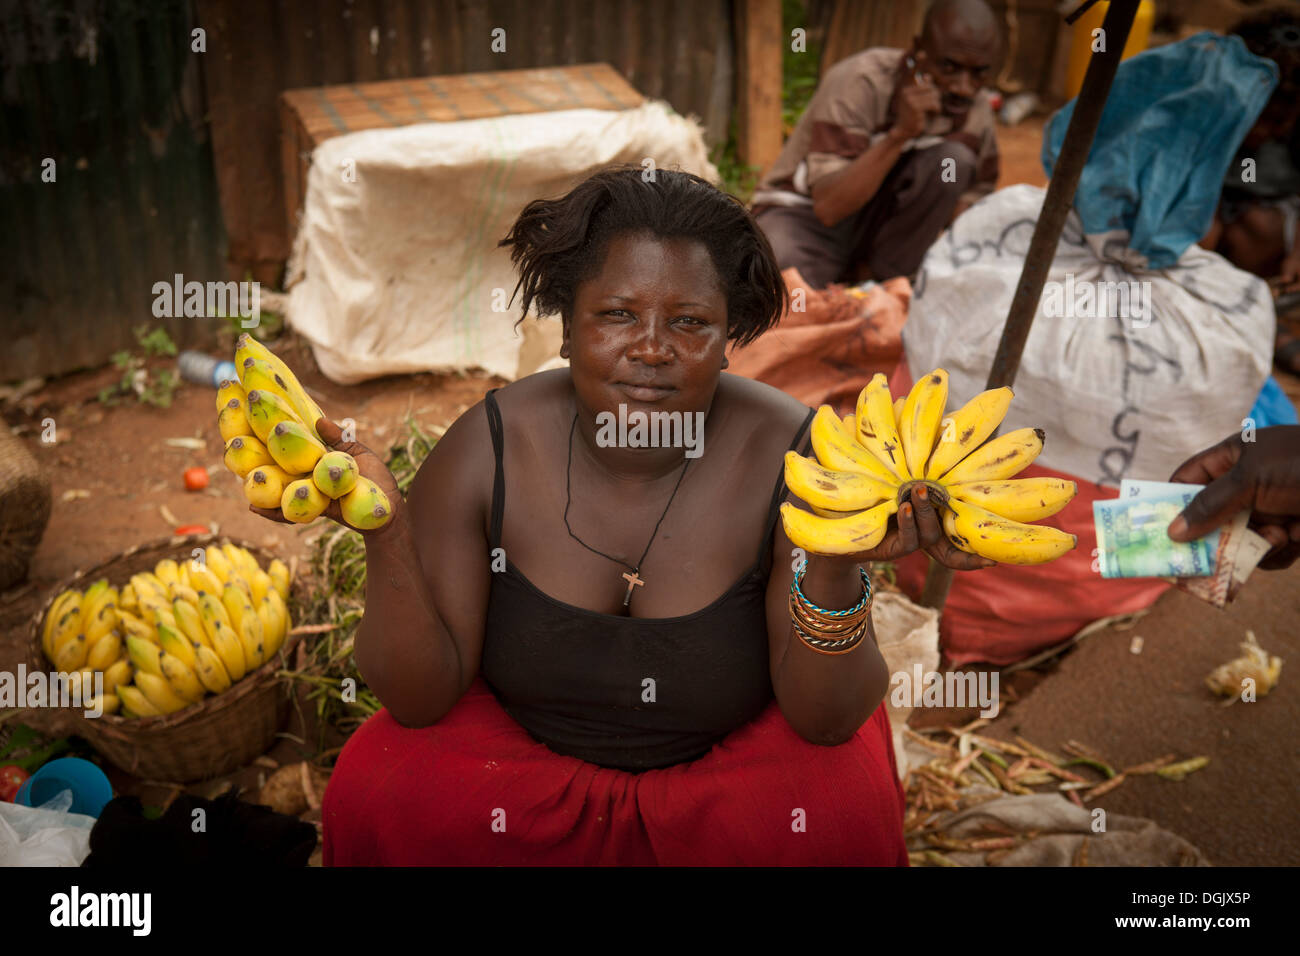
(1051,220)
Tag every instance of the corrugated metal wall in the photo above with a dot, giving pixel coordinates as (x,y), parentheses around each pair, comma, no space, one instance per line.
(111,93)
(677,50)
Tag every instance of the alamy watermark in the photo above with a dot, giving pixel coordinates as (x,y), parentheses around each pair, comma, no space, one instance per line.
(197,300)
(638,429)
(932,689)
(1098,300)
(39,689)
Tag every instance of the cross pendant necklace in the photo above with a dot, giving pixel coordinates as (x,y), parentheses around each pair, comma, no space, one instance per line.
(634,578)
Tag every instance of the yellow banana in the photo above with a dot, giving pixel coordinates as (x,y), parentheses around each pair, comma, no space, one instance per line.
(232,421)
(240,559)
(265,410)
(218,563)
(104,621)
(66,629)
(58,607)
(247,625)
(117,673)
(836,446)
(259,583)
(126,600)
(185,594)
(210,671)
(302,502)
(270,620)
(105,651)
(230,388)
(1003,457)
(282,620)
(1004,540)
(221,632)
(837,536)
(95,599)
(188,621)
(966,429)
(166,571)
(244,453)
(202,578)
(137,627)
(899,403)
(159,693)
(919,422)
(107,703)
(336,473)
(279,572)
(1020,499)
(134,703)
(72,655)
(180,678)
(833,490)
(877,429)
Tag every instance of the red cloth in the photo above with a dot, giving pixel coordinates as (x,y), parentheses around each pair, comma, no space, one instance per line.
(1006,614)
(429,796)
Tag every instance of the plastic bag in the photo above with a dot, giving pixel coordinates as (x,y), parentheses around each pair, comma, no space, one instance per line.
(44,836)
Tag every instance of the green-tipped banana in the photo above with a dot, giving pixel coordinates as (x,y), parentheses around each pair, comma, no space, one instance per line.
(302,501)
(294,448)
(247,347)
(188,621)
(266,410)
(336,474)
(366,507)
(143,656)
(177,646)
(232,421)
(245,453)
(264,486)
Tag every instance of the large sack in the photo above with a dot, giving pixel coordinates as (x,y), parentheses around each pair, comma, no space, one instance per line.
(395,265)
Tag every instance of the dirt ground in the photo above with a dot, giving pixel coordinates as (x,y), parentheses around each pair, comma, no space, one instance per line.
(1239,810)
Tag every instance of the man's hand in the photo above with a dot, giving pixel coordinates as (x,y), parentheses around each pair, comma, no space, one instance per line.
(915,100)
(1262,476)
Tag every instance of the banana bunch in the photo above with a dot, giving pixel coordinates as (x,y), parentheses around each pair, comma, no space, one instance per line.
(171,635)
(268,422)
(868,463)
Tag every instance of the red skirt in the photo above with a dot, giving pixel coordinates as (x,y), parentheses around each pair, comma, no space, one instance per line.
(475,789)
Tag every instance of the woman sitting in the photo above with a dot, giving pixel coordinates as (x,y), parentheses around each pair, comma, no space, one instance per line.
(583,640)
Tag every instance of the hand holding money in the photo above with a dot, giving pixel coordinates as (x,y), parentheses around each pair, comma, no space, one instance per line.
(1260,476)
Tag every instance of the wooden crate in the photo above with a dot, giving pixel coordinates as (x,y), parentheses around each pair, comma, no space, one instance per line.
(309,117)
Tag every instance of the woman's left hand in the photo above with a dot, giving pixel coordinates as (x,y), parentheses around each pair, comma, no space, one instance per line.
(920,527)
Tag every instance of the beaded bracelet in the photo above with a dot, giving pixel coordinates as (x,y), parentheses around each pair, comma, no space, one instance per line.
(795,588)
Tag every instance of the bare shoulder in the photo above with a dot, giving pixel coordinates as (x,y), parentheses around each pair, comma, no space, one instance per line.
(767,410)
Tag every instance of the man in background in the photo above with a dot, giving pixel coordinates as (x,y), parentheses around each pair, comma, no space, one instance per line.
(893,146)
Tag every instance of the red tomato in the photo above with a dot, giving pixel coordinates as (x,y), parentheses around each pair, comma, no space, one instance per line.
(196,479)
(12,778)
(192,529)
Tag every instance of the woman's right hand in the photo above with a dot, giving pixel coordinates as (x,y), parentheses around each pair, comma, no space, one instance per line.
(369,465)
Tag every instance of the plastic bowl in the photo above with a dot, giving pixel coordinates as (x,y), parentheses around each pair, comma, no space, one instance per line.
(90,787)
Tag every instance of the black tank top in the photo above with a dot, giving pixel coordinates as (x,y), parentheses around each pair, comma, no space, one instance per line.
(573,678)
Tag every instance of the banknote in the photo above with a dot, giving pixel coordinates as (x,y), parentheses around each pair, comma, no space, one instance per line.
(1133,539)
(1238,553)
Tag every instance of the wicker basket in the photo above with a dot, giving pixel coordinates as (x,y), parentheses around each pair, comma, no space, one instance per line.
(218,734)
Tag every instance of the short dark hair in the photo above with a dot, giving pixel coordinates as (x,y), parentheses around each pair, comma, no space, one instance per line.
(1275,35)
(559,243)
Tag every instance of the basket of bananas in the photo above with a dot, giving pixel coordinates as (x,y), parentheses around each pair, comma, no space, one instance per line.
(176,645)
(867,464)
